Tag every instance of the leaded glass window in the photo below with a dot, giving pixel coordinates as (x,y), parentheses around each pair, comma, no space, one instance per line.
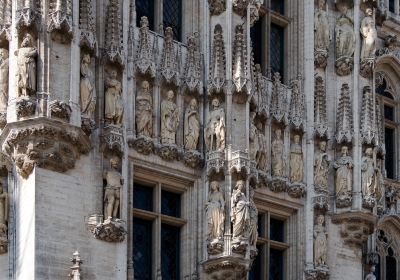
(143,197)
(170,204)
(172,15)
(275,264)
(277,49)
(142,248)
(145,8)
(257,41)
(390,150)
(278,6)
(277,230)
(391,6)
(170,251)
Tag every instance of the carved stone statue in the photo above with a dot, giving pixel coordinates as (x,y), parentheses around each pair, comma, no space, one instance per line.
(321,29)
(261,156)
(321,168)
(215,129)
(369,34)
(253,232)
(368,174)
(192,125)
(112,192)
(345,37)
(169,119)
(26,61)
(3,212)
(144,111)
(278,161)
(371,275)
(254,137)
(3,79)
(240,216)
(87,89)
(344,175)
(380,187)
(320,242)
(296,161)
(114,105)
(215,209)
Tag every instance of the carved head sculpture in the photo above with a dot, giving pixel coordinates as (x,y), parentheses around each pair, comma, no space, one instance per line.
(322,146)
(368,12)
(86,59)
(278,134)
(27,41)
(369,152)
(144,22)
(145,87)
(3,54)
(372,268)
(215,103)
(320,220)
(193,104)
(240,185)
(113,74)
(296,139)
(114,162)
(251,193)
(252,115)
(214,186)
(170,95)
(345,151)
(321,4)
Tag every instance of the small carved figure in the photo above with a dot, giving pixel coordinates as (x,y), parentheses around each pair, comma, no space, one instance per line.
(344,172)
(113,187)
(254,137)
(169,119)
(215,209)
(278,161)
(320,242)
(253,232)
(345,37)
(3,212)
(321,29)
(321,168)
(368,174)
(192,125)
(369,35)
(371,275)
(114,105)
(380,187)
(3,79)
(296,161)
(261,157)
(144,111)
(26,61)
(240,216)
(215,129)
(87,89)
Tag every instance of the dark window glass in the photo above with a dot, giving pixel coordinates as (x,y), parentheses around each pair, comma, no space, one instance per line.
(391,5)
(260,226)
(275,264)
(170,204)
(277,47)
(145,8)
(388,112)
(378,269)
(382,90)
(276,230)
(143,197)
(142,246)
(389,158)
(172,14)
(255,272)
(257,41)
(170,250)
(391,268)
(278,6)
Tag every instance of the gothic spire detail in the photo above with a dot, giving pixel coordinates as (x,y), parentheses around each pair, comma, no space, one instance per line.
(145,62)
(379,127)
(239,65)
(368,131)
(320,119)
(297,105)
(87,24)
(5,19)
(193,68)
(279,100)
(76,266)
(216,80)
(169,61)
(26,13)
(60,17)
(113,45)
(344,127)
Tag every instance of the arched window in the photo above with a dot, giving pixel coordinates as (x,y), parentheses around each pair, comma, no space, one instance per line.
(388,256)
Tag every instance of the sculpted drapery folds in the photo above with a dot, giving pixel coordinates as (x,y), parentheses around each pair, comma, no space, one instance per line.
(368,175)
(371,275)
(321,168)
(215,129)
(253,232)
(114,105)
(240,216)
(369,34)
(320,242)
(169,119)
(296,161)
(254,137)
(3,79)
(112,191)
(26,60)
(345,37)
(321,29)
(215,209)
(192,125)
(344,174)
(144,111)
(87,89)
(278,163)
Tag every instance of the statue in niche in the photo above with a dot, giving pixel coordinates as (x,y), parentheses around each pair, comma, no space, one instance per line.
(169,119)
(344,176)
(254,137)
(3,79)
(192,125)
(320,242)
(321,168)
(113,187)
(369,35)
(371,275)
(368,174)
(345,37)
(26,61)
(321,29)
(215,129)
(240,216)
(278,162)
(296,161)
(380,187)
(87,89)
(114,105)
(253,232)
(215,209)
(3,212)
(144,111)
(261,156)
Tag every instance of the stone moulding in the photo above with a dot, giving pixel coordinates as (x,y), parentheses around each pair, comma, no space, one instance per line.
(44,143)
(319,273)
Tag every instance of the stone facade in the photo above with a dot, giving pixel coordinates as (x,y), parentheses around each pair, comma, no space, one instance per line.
(291,172)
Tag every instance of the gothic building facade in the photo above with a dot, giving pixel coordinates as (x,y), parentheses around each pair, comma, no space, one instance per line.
(171,139)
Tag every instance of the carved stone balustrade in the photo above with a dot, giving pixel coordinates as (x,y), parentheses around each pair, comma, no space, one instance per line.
(239,161)
(113,139)
(215,162)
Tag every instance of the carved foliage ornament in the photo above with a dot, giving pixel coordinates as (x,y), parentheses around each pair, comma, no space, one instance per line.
(216,6)
(169,61)
(344,131)
(193,68)
(60,18)
(368,131)
(27,13)
(113,45)
(145,62)
(297,105)
(5,20)
(279,101)
(240,67)
(320,118)
(87,25)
